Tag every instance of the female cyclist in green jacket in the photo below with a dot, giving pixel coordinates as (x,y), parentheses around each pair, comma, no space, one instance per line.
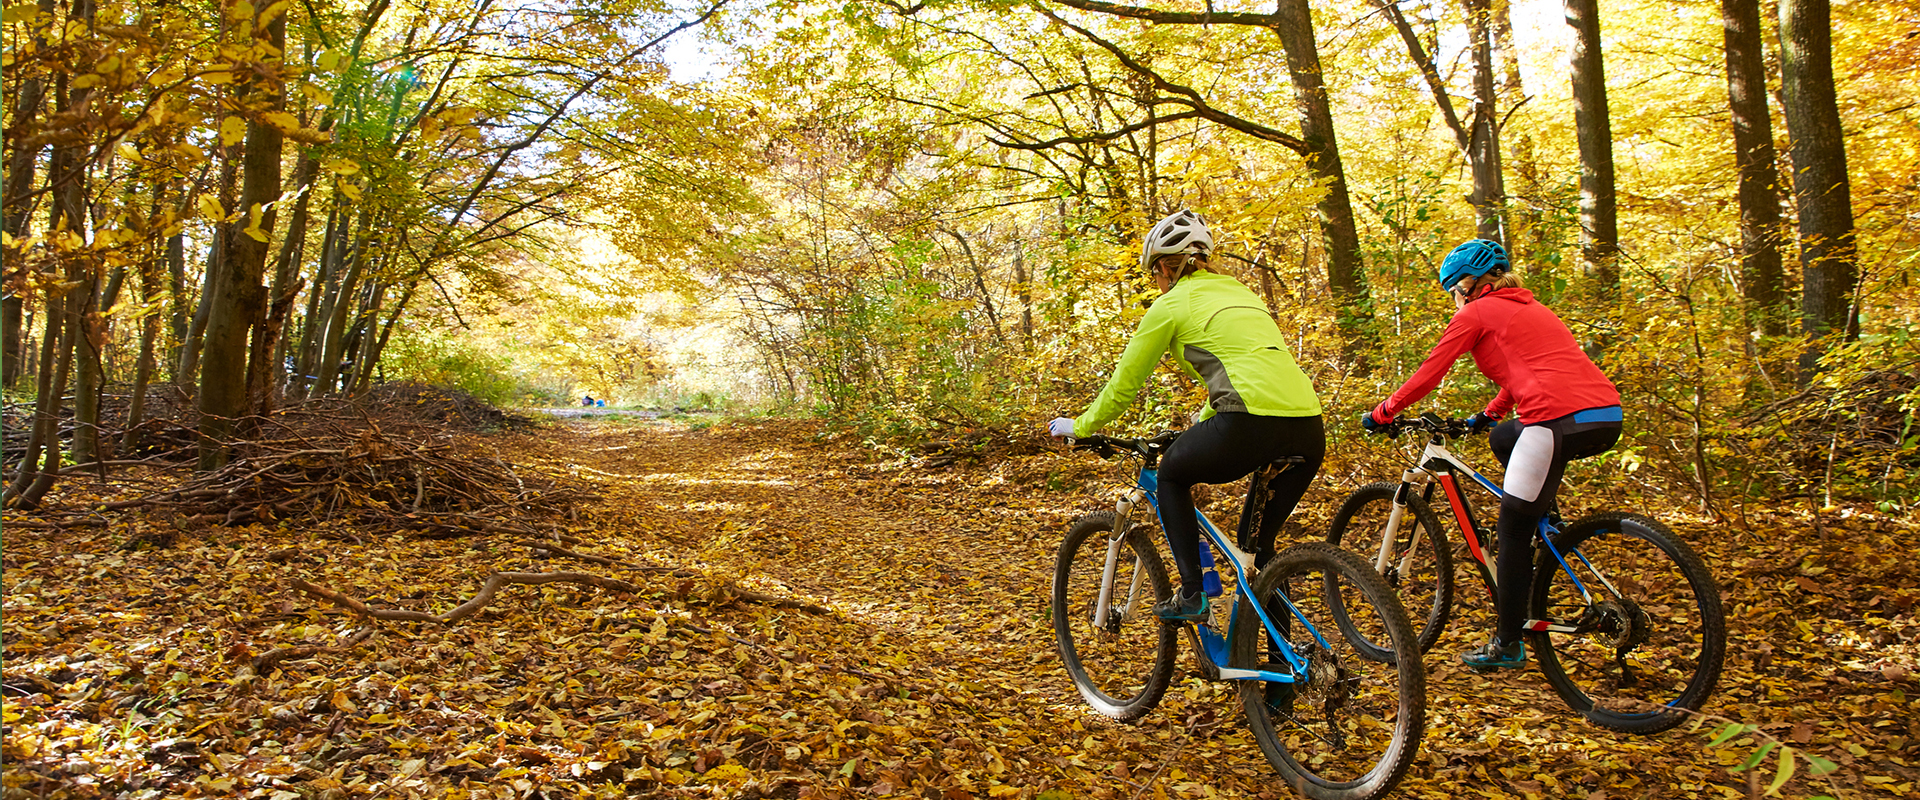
(1260,406)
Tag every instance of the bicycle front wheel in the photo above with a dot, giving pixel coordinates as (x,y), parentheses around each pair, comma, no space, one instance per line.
(1120,660)
(1647,635)
(1419,563)
(1351,724)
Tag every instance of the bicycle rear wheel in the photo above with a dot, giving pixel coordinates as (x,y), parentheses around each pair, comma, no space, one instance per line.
(1649,635)
(1351,726)
(1122,662)
(1421,565)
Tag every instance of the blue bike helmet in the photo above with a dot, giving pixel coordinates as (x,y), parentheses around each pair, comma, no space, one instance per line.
(1473,258)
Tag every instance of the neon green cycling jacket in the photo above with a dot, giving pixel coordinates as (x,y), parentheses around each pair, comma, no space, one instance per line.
(1221,335)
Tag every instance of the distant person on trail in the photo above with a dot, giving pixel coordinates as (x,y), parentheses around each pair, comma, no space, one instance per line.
(587,402)
(1260,406)
(1568,410)
(600,403)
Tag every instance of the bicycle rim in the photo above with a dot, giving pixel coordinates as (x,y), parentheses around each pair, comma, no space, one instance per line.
(1120,664)
(1350,728)
(1423,578)
(1652,635)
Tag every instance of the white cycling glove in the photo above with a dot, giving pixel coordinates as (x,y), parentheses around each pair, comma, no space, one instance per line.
(1060,426)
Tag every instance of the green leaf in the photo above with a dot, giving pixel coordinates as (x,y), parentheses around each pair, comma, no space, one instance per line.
(1785,774)
(1755,758)
(1820,766)
(1727,731)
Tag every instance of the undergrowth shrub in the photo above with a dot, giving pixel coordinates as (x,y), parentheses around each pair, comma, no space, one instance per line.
(433,357)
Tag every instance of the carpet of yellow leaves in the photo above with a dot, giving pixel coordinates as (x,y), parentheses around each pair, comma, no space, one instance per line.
(129,673)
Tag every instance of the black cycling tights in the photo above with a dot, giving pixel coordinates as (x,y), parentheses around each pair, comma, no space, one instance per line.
(1535,456)
(1227,447)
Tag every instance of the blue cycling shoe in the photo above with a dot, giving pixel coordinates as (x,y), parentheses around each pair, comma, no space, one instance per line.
(1495,655)
(1183,607)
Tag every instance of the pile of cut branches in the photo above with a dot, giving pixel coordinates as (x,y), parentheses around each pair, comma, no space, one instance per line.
(437,406)
(411,483)
(1856,436)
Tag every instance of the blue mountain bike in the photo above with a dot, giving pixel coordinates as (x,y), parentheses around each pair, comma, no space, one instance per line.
(1325,658)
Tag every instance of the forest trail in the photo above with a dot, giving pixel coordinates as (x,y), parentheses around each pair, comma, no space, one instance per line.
(931,672)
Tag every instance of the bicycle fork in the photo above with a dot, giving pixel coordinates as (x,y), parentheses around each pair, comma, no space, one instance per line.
(1122,524)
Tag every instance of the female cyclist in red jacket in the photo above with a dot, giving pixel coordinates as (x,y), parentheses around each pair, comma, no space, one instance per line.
(1567,410)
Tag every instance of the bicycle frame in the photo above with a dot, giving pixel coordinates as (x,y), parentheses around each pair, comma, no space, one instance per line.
(1147,487)
(1439,465)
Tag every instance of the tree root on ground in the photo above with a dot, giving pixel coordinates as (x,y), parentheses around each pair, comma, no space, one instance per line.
(733,591)
(266,662)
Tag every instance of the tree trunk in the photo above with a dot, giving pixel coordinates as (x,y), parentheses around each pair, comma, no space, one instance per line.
(11,309)
(371,352)
(979,283)
(143,368)
(335,309)
(1525,235)
(56,354)
(1483,150)
(1760,271)
(1820,186)
(312,324)
(187,374)
(46,409)
(240,303)
(266,371)
(177,297)
(1344,267)
(1025,293)
(1599,226)
(90,323)
(16,207)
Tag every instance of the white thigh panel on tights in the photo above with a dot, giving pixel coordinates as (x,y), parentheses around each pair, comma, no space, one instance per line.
(1527,469)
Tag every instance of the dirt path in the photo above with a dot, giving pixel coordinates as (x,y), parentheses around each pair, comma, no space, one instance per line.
(945,572)
(931,673)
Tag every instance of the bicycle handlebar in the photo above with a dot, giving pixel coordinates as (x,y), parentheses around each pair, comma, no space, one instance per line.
(1431,423)
(1107,446)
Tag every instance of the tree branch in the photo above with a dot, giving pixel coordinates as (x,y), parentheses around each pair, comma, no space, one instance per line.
(1186,96)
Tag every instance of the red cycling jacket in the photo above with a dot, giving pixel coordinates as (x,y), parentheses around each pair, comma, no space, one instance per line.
(1526,350)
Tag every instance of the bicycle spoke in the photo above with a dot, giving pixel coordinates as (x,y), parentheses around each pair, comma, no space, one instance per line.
(1121,659)
(1648,629)
(1351,723)
(1418,565)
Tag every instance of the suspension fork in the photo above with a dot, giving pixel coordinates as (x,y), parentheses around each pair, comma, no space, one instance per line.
(1122,524)
(1413,477)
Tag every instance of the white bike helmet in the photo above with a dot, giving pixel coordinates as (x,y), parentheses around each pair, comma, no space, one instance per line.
(1183,232)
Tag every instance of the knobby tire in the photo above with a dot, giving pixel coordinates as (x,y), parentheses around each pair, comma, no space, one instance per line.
(1377,704)
(1674,662)
(1427,593)
(1121,668)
